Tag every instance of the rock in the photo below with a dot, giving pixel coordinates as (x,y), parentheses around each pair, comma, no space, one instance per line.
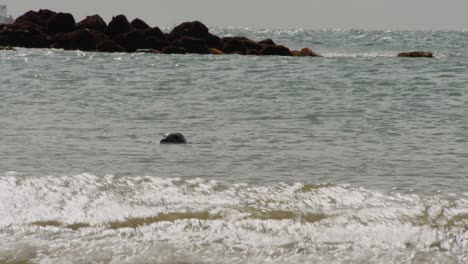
(415,54)
(131,41)
(142,39)
(233,45)
(61,22)
(305,52)
(86,40)
(154,32)
(109,46)
(213,41)
(174,138)
(94,22)
(118,25)
(81,39)
(216,51)
(173,50)
(278,50)
(29,36)
(267,42)
(139,24)
(252,45)
(38,18)
(192,45)
(194,29)
(253,52)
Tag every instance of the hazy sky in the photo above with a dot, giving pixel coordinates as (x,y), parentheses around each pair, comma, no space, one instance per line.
(313,14)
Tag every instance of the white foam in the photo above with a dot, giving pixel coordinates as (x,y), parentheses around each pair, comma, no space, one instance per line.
(248,223)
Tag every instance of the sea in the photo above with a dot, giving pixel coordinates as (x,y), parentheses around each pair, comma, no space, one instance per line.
(354,157)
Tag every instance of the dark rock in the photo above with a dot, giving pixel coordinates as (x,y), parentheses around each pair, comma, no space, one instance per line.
(28,37)
(253,52)
(173,50)
(38,18)
(86,40)
(61,22)
(94,22)
(109,46)
(192,45)
(131,41)
(233,45)
(154,32)
(139,24)
(194,29)
(267,42)
(252,45)
(213,41)
(198,30)
(174,138)
(305,52)
(417,54)
(156,43)
(278,50)
(81,39)
(118,25)
(216,51)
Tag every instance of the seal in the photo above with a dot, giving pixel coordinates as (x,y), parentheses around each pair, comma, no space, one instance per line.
(174,138)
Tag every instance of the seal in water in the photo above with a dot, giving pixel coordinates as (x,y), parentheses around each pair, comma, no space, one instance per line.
(175,138)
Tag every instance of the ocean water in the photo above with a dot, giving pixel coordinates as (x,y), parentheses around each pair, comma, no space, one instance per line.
(355,157)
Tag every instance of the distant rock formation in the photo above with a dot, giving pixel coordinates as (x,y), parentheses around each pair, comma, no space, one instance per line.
(49,29)
(416,54)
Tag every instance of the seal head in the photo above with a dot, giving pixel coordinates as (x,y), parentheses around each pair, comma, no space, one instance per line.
(174,138)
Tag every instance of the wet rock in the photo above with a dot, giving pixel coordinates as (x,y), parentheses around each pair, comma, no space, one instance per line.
(81,39)
(94,22)
(253,52)
(131,41)
(39,18)
(86,40)
(194,29)
(192,45)
(173,50)
(278,50)
(305,52)
(29,36)
(108,46)
(233,45)
(118,25)
(139,24)
(216,51)
(252,45)
(267,42)
(142,39)
(61,22)
(417,54)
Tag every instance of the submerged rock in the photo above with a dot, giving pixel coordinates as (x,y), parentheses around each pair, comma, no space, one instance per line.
(416,54)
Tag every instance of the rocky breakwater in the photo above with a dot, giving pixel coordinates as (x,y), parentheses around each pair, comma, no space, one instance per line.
(49,29)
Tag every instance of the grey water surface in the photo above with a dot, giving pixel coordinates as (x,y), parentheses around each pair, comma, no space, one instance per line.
(354,157)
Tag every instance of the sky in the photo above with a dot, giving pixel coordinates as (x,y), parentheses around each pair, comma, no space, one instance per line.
(272,14)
